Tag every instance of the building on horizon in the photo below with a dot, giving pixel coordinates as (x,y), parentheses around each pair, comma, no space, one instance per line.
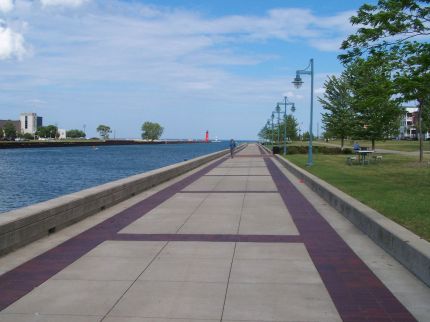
(409,125)
(30,122)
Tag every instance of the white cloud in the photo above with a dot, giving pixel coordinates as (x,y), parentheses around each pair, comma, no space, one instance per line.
(11,43)
(63,3)
(6,5)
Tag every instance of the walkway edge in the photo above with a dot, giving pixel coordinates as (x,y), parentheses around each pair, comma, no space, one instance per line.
(24,225)
(409,249)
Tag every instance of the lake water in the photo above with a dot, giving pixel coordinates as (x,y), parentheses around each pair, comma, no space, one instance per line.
(28,176)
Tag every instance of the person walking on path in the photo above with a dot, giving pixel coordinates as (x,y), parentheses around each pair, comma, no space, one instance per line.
(232,147)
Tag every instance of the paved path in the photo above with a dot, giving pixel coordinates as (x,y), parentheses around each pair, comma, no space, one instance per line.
(235,240)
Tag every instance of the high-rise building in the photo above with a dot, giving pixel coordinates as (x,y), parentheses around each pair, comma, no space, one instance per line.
(29,122)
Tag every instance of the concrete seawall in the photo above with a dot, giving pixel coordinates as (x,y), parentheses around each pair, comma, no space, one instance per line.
(409,249)
(22,226)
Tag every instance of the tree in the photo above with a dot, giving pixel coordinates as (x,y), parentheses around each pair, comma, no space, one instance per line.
(104,131)
(339,119)
(377,113)
(151,131)
(75,134)
(292,127)
(9,131)
(394,28)
(1,133)
(50,131)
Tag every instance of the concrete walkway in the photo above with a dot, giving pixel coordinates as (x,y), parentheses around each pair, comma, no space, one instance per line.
(236,240)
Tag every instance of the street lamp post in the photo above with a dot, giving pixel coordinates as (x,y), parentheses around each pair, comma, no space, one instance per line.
(285,103)
(273,116)
(278,110)
(309,70)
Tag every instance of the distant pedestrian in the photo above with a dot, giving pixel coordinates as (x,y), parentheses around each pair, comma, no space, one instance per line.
(356,147)
(232,147)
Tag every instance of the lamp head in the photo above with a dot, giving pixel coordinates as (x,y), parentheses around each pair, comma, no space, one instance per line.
(278,108)
(273,116)
(293,108)
(298,82)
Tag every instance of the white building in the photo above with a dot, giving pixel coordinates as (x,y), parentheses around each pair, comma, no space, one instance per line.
(30,122)
(408,125)
(62,134)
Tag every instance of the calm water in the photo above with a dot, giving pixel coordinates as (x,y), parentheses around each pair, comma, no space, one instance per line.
(29,176)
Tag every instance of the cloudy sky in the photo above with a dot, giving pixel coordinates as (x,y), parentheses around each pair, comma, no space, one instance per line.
(192,66)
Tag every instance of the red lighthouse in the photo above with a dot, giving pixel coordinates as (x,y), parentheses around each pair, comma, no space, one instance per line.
(207,137)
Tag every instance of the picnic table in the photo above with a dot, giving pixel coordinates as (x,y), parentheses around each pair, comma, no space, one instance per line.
(363,153)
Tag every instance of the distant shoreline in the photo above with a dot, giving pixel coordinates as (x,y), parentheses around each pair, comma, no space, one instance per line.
(65,143)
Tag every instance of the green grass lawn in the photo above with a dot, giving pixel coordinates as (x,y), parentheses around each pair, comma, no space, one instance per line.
(407,146)
(398,186)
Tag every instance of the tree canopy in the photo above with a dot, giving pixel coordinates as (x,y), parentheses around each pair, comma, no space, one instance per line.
(75,134)
(9,131)
(151,131)
(396,29)
(339,119)
(104,131)
(50,131)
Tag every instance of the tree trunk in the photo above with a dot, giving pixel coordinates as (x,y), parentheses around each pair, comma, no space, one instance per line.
(373,144)
(420,131)
(342,139)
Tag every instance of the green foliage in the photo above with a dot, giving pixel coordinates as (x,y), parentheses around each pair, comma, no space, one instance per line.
(50,131)
(302,149)
(9,131)
(151,131)
(292,127)
(394,28)
(104,131)
(1,133)
(339,120)
(27,136)
(75,134)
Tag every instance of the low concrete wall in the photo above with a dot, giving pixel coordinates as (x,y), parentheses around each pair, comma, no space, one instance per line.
(22,226)
(409,249)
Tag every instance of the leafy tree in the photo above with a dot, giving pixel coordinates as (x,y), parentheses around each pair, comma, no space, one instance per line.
(151,131)
(292,127)
(339,119)
(75,134)
(306,136)
(265,132)
(104,131)
(9,131)
(1,133)
(27,136)
(377,113)
(395,28)
(50,131)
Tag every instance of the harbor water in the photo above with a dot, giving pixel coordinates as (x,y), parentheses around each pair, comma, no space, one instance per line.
(29,176)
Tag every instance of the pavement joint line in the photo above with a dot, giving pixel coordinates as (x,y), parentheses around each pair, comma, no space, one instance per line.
(237,175)
(131,285)
(21,280)
(210,238)
(229,191)
(356,291)
(193,212)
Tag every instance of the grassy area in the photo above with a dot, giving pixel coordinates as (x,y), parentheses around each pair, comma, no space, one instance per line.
(398,186)
(407,146)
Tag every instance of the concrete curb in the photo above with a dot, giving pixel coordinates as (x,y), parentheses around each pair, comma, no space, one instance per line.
(24,225)
(409,249)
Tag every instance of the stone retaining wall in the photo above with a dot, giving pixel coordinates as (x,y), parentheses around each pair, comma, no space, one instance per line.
(22,226)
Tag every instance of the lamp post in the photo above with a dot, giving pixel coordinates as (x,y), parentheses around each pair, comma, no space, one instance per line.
(285,103)
(309,70)
(267,131)
(273,116)
(278,110)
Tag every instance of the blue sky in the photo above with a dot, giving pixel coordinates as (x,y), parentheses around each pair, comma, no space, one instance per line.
(192,66)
